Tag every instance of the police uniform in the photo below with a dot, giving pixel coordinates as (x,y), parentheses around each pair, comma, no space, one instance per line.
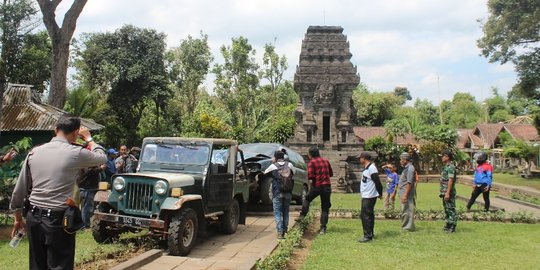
(49,173)
(449,173)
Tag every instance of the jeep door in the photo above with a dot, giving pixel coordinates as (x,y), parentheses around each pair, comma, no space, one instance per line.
(219,183)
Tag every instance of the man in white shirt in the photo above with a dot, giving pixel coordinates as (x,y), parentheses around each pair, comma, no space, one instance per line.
(281,196)
(370,188)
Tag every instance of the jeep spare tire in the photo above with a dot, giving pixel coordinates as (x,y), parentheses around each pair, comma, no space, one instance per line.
(229,220)
(183,230)
(266,191)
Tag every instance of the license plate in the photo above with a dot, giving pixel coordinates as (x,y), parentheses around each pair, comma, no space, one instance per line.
(132,221)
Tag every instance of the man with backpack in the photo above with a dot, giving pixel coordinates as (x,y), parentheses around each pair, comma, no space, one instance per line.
(319,172)
(282,185)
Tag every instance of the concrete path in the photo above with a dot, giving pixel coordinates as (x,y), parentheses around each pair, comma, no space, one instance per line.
(241,250)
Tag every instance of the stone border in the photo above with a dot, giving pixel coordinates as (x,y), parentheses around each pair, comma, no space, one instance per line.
(524,203)
(139,261)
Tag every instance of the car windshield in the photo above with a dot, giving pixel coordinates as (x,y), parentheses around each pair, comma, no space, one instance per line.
(259,149)
(176,154)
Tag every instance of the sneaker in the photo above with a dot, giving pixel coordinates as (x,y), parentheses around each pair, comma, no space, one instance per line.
(280,236)
(322,231)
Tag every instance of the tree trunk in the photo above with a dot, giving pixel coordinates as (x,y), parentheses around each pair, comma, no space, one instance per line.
(60,39)
(60,60)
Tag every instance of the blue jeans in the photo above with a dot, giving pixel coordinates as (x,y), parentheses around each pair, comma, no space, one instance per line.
(87,202)
(281,203)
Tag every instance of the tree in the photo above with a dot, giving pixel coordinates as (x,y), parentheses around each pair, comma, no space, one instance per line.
(428,114)
(34,62)
(237,84)
(403,93)
(387,151)
(497,107)
(463,111)
(15,22)
(522,151)
(60,39)
(511,34)
(273,66)
(189,64)
(374,108)
(396,128)
(129,66)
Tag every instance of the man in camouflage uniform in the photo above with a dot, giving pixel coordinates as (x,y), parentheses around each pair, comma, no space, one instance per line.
(448,191)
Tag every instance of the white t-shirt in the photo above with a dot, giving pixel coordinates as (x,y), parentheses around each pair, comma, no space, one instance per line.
(273,167)
(367,186)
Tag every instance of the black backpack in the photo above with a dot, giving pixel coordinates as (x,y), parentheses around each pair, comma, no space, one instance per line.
(285,176)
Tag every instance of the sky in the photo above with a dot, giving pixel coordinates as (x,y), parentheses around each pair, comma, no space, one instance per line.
(424,45)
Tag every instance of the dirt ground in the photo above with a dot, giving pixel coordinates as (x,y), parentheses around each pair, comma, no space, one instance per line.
(300,254)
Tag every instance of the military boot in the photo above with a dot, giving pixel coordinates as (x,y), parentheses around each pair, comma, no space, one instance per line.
(451,228)
(446,227)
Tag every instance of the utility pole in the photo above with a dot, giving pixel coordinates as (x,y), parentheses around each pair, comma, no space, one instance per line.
(440,102)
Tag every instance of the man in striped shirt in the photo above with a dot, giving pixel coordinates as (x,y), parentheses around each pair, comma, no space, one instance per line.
(319,172)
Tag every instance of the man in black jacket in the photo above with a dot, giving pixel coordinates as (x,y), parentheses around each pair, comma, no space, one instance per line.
(88,180)
(371,188)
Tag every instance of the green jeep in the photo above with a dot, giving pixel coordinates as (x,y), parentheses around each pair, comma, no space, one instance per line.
(181,186)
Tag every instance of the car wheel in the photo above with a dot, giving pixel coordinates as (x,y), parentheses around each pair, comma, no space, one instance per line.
(229,220)
(303,196)
(102,232)
(266,191)
(182,232)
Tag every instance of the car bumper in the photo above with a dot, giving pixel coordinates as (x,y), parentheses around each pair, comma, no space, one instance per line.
(130,221)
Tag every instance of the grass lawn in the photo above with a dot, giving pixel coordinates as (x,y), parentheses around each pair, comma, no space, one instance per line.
(427,199)
(476,245)
(516,180)
(86,250)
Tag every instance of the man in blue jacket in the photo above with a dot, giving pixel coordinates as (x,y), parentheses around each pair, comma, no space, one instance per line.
(483,177)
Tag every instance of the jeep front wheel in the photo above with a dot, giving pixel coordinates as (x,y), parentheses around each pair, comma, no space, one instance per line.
(229,220)
(182,232)
(102,232)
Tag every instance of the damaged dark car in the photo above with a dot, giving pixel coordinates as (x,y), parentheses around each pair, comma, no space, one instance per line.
(258,157)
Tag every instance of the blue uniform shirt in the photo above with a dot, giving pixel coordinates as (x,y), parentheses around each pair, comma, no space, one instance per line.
(391,181)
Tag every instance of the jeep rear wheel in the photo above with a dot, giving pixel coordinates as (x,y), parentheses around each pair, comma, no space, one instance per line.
(229,220)
(102,232)
(182,232)
(266,191)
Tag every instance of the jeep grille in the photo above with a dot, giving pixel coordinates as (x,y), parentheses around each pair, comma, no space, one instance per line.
(139,197)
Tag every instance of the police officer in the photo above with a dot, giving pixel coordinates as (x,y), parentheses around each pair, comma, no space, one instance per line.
(448,191)
(48,175)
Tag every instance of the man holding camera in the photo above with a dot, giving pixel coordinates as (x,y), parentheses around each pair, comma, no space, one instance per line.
(44,189)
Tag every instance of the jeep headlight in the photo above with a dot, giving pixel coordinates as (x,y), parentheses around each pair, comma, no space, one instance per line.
(119,183)
(160,187)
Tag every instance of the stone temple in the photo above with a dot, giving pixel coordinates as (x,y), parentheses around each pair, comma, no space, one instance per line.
(325,79)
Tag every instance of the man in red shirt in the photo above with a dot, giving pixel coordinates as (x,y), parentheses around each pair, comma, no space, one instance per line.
(319,172)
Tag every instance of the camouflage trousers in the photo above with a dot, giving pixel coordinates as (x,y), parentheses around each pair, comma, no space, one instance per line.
(450,210)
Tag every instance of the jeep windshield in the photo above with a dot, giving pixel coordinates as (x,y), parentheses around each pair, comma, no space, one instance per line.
(176,154)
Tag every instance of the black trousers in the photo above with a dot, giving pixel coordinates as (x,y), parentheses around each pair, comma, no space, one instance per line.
(368,216)
(325,192)
(476,192)
(50,246)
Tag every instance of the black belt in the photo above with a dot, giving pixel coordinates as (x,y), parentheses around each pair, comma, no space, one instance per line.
(36,211)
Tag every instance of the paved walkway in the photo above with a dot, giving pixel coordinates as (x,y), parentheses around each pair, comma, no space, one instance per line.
(241,250)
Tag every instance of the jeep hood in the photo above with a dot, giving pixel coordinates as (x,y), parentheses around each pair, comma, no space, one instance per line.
(174,179)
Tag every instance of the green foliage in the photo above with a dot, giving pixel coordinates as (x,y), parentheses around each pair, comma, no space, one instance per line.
(442,133)
(523,197)
(128,65)
(281,256)
(428,114)
(403,93)
(387,151)
(25,56)
(374,108)
(188,66)
(511,34)
(10,171)
(463,111)
(522,150)
(396,128)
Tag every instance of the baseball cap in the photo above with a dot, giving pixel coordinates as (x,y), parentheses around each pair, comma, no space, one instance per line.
(112,151)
